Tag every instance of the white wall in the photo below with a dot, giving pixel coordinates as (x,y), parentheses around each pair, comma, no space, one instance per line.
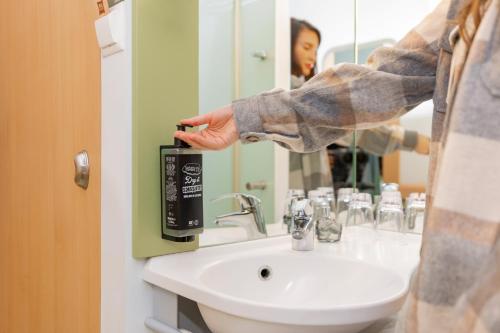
(126,300)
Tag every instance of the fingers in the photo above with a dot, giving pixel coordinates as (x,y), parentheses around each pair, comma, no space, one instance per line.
(220,115)
(184,136)
(198,120)
(204,143)
(192,140)
(198,141)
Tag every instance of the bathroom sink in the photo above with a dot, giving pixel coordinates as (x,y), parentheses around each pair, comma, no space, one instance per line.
(264,286)
(318,291)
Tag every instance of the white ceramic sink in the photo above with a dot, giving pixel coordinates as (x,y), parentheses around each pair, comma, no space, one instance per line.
(263,286)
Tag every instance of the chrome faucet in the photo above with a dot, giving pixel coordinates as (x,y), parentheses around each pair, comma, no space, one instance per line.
(302,225)
(250,217)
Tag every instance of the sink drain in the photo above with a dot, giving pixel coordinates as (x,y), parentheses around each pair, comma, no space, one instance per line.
(265,273)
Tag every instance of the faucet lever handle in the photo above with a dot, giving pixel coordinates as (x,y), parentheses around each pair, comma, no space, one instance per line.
(249,204)
(247,201)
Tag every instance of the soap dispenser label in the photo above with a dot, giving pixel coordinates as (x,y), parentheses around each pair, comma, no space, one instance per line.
(183,191)
(192,187)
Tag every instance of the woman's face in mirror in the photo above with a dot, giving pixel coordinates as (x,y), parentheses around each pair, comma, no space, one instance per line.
(304,51)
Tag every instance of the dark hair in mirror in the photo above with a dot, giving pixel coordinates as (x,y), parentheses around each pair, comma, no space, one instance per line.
(296,27)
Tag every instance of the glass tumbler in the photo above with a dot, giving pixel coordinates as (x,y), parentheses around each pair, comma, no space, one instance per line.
(329,193)
(360,210)
(390,214)
(343,199)
(415,209)
(327,229)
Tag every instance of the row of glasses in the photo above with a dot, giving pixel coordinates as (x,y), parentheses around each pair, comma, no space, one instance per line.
(355,208)
(390,214)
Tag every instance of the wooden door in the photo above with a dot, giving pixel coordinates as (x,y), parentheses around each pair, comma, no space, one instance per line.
(49,110)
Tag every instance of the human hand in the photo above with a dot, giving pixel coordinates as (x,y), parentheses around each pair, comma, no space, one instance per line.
(220,133)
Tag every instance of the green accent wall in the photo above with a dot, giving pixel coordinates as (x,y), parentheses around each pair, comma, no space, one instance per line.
(165,90)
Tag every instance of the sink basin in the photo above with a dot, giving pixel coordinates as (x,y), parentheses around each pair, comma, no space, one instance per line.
(320,292)
(263,286)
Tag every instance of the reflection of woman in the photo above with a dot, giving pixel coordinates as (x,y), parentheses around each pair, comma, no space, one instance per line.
(452,56)
(305,40)
(312,170)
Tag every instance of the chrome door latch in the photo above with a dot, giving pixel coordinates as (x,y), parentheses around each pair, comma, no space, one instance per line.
(82,169)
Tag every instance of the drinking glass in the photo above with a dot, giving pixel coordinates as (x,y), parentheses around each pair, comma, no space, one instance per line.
(390,214)
(414,217)
(343,199)
(327,230)
(360,209)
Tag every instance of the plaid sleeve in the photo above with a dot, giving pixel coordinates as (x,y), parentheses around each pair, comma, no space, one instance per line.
(348,96)
(387,139)
(383,140)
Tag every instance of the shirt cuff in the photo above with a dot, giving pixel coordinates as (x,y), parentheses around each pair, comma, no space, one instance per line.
(248,119)
(268,117)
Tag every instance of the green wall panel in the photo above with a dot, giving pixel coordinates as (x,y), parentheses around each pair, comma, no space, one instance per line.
(165,90)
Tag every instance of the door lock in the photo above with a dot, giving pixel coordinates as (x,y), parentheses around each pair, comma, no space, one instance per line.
(82,169)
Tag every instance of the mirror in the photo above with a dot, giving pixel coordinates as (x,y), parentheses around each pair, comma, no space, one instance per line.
(383,23)
(244,50)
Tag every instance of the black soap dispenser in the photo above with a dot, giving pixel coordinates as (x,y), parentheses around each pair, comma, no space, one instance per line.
(181,191)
